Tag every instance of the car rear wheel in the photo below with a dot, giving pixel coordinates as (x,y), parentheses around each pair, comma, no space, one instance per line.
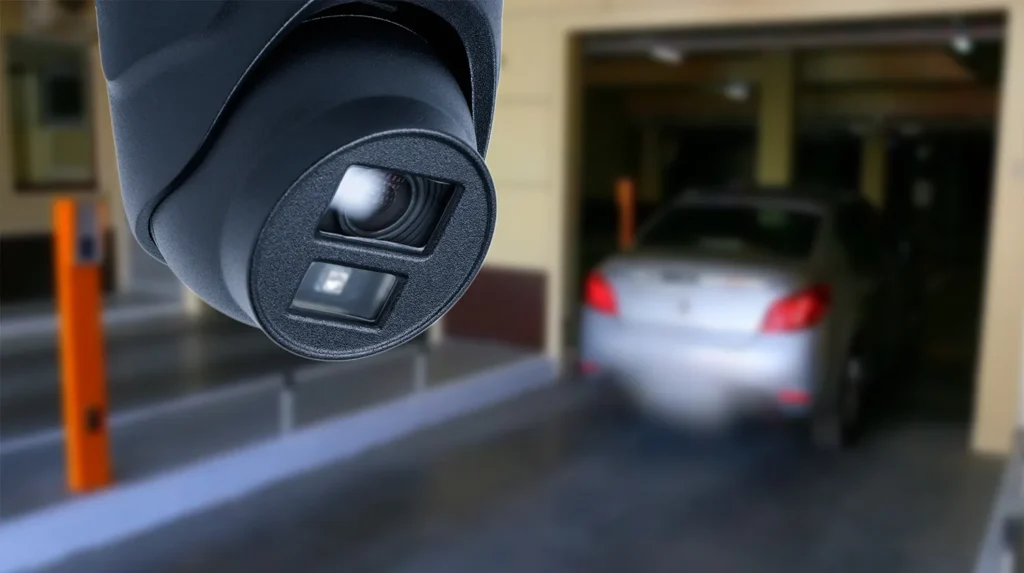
(838,427)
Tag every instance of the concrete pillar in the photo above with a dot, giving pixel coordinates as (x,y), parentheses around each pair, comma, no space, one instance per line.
(649,190)
(873,167)
(999,377)
(1020,373)
(776,120)
(435,334)
(193,305)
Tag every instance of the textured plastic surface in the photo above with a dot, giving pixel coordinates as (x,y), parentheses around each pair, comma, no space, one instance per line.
(384,78)
(241,229)
(176,70)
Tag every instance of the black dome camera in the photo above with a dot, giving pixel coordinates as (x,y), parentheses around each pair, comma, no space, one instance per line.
(313,168)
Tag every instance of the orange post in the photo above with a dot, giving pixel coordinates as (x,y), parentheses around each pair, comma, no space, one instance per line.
(625,198)
(78,247)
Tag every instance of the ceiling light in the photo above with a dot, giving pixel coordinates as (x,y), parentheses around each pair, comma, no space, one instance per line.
(737,91)
(962,43)
(667,54)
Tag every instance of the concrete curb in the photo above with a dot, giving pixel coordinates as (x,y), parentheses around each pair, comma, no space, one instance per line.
(46,324)
(55,533)
(237,389)
(993,554)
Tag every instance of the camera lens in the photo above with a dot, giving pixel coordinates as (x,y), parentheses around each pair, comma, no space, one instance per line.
(370,201)
(386,206)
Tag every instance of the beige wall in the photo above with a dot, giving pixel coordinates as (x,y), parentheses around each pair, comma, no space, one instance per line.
(776,120)
(999,370)
(531,143)
(525,151)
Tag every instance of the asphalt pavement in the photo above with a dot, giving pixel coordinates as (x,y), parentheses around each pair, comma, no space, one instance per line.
(568,480)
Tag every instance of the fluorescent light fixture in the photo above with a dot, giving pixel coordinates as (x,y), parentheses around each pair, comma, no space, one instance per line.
(962,43)
(737,91)
(666,54)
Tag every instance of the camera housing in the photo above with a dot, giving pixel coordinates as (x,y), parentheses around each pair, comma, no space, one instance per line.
(313,168)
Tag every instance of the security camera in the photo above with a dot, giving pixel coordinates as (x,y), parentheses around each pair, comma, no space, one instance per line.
(313,168)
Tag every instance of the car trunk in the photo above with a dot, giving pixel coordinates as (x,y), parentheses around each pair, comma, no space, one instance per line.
(699,295)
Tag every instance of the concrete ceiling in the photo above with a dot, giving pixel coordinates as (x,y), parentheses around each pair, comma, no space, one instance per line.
(877,85)
(876,73)
(935,31)
(897,66)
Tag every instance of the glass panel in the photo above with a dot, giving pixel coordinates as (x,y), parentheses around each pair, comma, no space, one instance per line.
(344,291)
(51,131)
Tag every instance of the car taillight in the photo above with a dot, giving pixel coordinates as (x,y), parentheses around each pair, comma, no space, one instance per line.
(799,310)
(791,397)
(598,294)
(589,367)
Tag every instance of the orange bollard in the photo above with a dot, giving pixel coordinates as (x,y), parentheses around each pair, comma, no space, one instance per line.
(625,198)
(78,247)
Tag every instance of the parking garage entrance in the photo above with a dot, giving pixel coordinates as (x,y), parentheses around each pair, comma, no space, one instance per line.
(899,112)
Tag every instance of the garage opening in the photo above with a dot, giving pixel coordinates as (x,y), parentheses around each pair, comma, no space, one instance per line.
(899,115)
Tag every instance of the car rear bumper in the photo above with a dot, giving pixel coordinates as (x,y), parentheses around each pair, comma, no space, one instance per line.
(729,375)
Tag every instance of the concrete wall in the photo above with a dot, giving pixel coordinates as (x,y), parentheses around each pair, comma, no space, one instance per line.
(533,156)
(999,371)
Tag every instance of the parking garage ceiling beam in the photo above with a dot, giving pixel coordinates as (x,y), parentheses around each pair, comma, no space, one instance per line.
(922,104)
(894,66)
(864,104)
(917,32)
(701,105)
(837,67)
(635,72)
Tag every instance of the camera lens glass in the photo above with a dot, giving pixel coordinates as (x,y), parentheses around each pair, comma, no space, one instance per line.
(344,291)
(387,206)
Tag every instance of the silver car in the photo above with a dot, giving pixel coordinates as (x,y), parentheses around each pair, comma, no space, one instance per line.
(736,302)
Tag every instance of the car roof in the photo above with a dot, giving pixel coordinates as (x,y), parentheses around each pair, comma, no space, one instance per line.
(818,199)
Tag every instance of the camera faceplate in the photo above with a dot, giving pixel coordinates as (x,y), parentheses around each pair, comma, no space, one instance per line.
(429,282)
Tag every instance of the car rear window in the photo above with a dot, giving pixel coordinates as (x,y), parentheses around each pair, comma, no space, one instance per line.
(736,229)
